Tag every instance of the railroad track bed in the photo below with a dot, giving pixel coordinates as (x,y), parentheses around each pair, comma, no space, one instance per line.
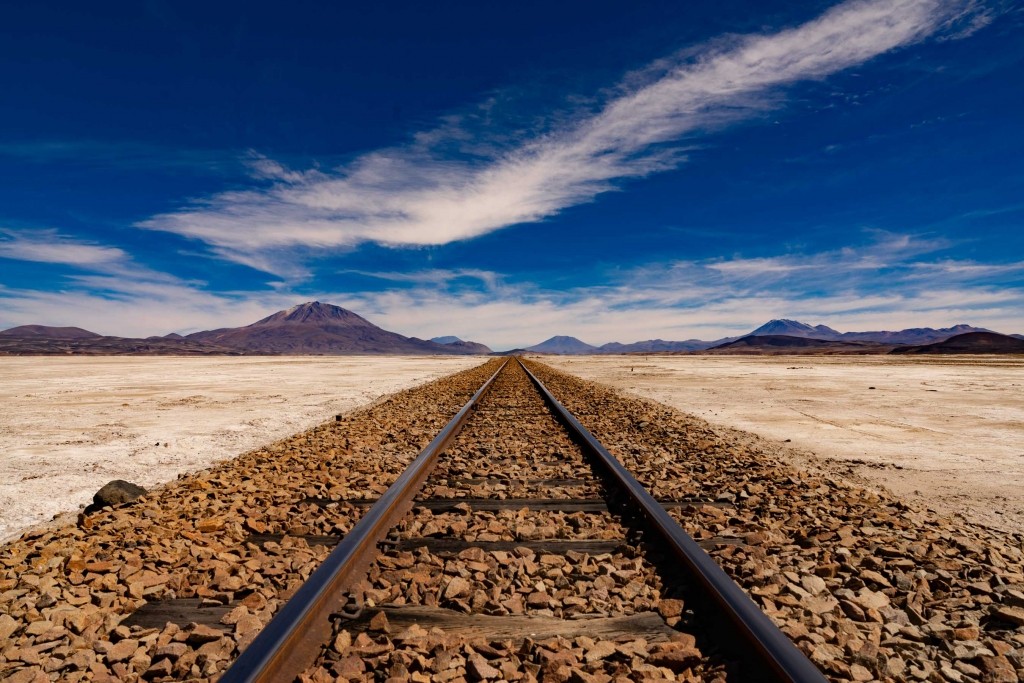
(531,584)
(66,591)
(868,587)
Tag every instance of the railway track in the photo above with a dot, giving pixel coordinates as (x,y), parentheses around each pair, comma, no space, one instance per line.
(515,547)
(511,558)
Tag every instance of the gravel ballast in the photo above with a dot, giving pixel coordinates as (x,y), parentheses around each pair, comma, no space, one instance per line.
(869,587)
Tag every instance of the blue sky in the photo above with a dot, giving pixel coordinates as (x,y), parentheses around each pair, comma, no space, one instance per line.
(509,172)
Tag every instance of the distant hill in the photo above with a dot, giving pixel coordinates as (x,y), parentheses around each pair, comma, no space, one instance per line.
(876,342)
(321,329)
(784,329)
(782,344)
(563,345)
(324,329)
(464,346)
(467,347)
(774,340)
(44,332)
(109,346)
(971,342)
(794,328)
(310,328)
(40,340)
(914,335)
(655,346)
(510,352)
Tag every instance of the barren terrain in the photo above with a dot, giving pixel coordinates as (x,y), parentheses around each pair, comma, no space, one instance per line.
(176,585)
(69,425)
(948,431)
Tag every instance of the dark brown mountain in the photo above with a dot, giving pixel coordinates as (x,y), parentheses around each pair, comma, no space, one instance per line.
(794,328)
(563,345)
(108,346)
(41,340)
(913,335)
(971,342)
(655,346)
(321,329)
(784,344)
(311,328)
(44,332)
(510,352)
(875,342)
(467,346)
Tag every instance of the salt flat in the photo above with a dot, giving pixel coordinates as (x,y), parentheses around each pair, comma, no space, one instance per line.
(68,425)
(946,430)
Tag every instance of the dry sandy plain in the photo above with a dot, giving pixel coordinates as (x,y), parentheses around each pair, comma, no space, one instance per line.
(948,431)
(70,425)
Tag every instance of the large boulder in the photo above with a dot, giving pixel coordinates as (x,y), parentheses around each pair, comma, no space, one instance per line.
(117,492)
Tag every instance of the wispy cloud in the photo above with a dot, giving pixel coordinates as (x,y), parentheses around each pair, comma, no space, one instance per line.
(861,266)
(434,276)
(150,307)
(49,246)
(760,266)
(954,270)
(453,184)
(107,290)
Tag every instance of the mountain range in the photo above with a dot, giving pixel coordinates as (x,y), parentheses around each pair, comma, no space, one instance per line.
(914,335)
(771,344)
(39,340)
(774,336)
(311,328)
(316,328)
(971,342)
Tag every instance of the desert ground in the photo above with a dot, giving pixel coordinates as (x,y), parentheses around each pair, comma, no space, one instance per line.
(70,425)
(947,431)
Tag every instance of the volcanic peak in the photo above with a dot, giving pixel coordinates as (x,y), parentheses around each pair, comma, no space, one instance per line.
(45,332)
(562,344)
(315,312)
(450,339)
(795,328)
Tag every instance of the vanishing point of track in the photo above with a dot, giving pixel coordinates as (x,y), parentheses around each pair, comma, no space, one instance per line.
(515,530)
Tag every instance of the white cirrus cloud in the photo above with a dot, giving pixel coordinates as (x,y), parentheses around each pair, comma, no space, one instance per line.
(50,246)
(434,276)
(422,194)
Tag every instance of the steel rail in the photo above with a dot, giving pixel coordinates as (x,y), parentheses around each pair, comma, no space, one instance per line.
(778,652)
(293,638)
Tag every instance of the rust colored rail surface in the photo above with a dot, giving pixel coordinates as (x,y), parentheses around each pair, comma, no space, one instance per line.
(298,632)
(295,635)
